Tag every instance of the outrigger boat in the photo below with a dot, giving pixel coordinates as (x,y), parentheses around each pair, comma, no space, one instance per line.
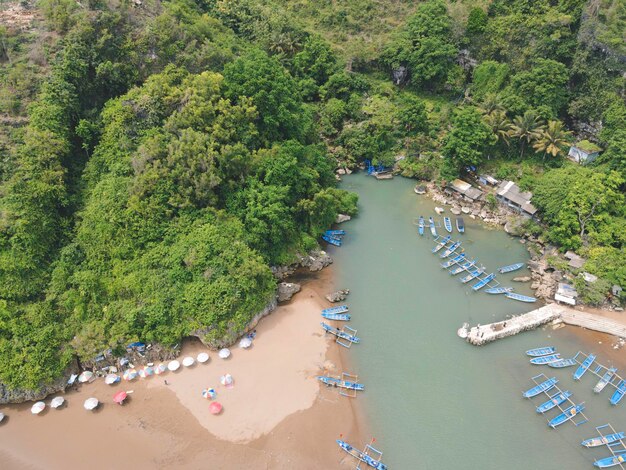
(348,387)
(451,261)
(568,414)
(336,316)
(462,267)
(335,232)
(563,363)
(584,366)
(619,393)
(420,227)
(431,223)
(473,274)
(541,351)
(555,400)
(610,461)
(441,244)
(545,359)
(498,290)
(338,309)
(345,337)
(483,282)
(451,249)
(447,224)
(604,381)
(460,225)
(364,456)
(604,440)
(540,388)
(331,240)
(520,297)
(510,268)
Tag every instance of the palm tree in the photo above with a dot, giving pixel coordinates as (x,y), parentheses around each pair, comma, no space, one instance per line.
(551,139)
(525,128)
(491,103)
(500,125)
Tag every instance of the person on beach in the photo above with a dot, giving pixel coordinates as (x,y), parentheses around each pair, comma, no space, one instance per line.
(165,382)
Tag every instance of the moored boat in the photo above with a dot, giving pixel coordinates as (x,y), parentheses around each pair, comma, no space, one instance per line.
(440,244)
(335,382)
(331,240)
(619,393)
(483,282)
(520,297)
(498,290)
(462,267)
(335,232)
(473,274)
(604,440)
(584,366)
(540,388)
(447,223)
(451,261)
(563,363)
(420,227)
(610,461)
(568,414)
(460,225)
(431,223)
(340,334)
(362,456)
(604,381)
(510,268)
(555,400)
(338,309)
(451,249)
(336,316)
(545,359)
(541,351)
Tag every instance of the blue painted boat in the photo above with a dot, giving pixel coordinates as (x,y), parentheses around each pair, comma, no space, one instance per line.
(619,393)
(362,456)
(604,381)
(338,309)
(451,261)
(431,223)
(584,366)
(339,333)
(498,290)
(604,440)
(540,388)
(510,268)
(483,282)
(335,382)
(332,241)
(440,244)
(541,351)
(462,267)
(447,224)
(420,227)
(337,316)
(607,462)
(538,361)
(520,297)
(336,232)
(568,414)
(563,363)
(460,225)
(555,400)
(451,249)
(473,274)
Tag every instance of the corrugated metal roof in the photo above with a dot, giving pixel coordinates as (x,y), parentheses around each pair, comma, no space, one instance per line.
(511,192)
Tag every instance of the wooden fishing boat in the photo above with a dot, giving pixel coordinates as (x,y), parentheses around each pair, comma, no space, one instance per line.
(483,282)
(363,456)
(431,223)
(338,309)
(607,462)
(336,382)
(447,223)
(335,232)
(451,249)
(473,274)
(462,267)
(510,268)
(584,366)
(555,400)
(541,351)
(420,227)
(336,316)
(460,225)
(568,414)
(520,297)
(604,381)
(331,240)
(540,388)
(340,333)
(563,363)
(538,361)
(498,290)
(451,261)
(440,244)
(619,393)
(603,440)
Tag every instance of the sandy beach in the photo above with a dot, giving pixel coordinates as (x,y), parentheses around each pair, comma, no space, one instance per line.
(275,416)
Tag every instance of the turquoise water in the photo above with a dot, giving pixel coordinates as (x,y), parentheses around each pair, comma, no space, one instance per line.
(433,400)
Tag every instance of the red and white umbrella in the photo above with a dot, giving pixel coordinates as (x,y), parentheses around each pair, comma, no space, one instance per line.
(85,376)
(215,408)
(91,403)
(119,397)
(37,407)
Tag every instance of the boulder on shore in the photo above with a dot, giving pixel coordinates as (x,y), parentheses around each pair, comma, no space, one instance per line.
(286,290)
(342,218)
(338,296)
(521,279)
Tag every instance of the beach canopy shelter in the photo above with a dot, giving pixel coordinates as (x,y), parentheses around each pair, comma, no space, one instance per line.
(209,393)
(147,371)
(215,408)
(119,397)
(85,376)
(57,402)
(130,374)
(91,403)
(37,407)
(188,361)
(202,357)
(158,370)
(224,353)
(227,380)
(111,379)
(173,365)
(245,343)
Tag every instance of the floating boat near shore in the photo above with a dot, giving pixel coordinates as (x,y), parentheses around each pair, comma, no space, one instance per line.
(584,366)
(343,334)
(520,297)
(472,275)
(603,440)
(540,388)
(498,290)
(541,351)
(335,232)
(604,381)
(462,267)
(563,363)
(451,261)
(483,282)
(510,268)
(545,359)
(619,393)
(610,461)
(331,240)
(555,400)
(420,227)
(447,223)
(451,249)
(431,223)
(568,414)
(338,309)
(364,456)
(460,225)
(336,316)
(441,244)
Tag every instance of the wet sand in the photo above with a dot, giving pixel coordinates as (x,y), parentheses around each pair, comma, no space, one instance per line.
(275,416)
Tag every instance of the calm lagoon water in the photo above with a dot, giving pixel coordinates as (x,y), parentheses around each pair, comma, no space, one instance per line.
(433,400)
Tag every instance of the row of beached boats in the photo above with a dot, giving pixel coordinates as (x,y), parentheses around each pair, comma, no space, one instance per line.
(447,224)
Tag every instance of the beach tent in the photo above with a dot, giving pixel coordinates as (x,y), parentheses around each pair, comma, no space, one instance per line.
(91,403)
(227,380)
(173,365)
(111,379)
(188,361)
(85,376)
(38,408)
(209,393)
(215,408)
(245,343)
(119,397)
(224,353)
(57,402)
(158,370)
(202,357)
(130,374)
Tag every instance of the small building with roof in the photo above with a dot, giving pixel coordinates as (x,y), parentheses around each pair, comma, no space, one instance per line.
(465,189)
(575,261)
(584,152)
(566,293)
(510,194)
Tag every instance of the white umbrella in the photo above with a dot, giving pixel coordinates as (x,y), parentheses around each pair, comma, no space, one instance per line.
(245,343)
(173,365)
(202,357)
(224,353)
(57,402)
(1,416)
(226,380)
(158,370)
(188,361)
(37,407)
(111,379)
(91,403)
(85,376)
